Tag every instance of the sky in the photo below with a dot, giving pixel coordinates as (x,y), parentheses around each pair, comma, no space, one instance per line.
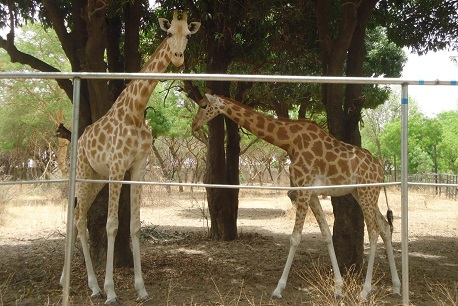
(434,65)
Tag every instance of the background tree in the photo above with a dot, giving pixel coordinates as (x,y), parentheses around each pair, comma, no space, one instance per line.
(448,147)
(30,110)
(342,32)
(424,133)
(96,36)
(422,26)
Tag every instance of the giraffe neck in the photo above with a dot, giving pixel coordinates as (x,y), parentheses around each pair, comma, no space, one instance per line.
(274,131)
(137,93)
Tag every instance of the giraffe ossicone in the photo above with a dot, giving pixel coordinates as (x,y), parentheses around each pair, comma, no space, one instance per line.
(119,142)
(317,159)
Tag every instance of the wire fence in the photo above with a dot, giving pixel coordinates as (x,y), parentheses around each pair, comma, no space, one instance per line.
(441,184)
(78,76)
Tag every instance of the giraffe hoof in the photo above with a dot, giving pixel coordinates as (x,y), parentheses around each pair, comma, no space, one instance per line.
(395,294)
(276,295)
(142,299)
(114,301)
(98,295)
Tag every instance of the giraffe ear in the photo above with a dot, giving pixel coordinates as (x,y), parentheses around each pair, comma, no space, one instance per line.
(211,98)
(164,24)
(194,27)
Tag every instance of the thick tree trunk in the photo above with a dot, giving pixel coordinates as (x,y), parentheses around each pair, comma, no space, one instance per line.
(222,168)
(85,48)
(343,115)
(97,220)
(102,98)
(348,230)
(348,233)
(222,162)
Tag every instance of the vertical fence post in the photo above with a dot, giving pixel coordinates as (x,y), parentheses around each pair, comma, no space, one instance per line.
(69,241)
(404,194)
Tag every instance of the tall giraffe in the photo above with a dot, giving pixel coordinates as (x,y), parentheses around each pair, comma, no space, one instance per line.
(317,159)
(118,142)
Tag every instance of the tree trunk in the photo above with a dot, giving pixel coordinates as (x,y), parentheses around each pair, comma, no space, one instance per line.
(348,233)
(348,230)
(343,116)
(102,98)
(93,33)
(97,220)
(222,163)
(222,168)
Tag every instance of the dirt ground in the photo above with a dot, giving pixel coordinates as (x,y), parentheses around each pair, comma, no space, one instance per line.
(182,267)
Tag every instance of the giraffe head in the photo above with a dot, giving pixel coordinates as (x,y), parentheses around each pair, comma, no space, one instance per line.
(178,32)
(210,107)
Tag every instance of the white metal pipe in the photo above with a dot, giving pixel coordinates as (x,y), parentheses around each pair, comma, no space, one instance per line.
(224,77)
(404,195)
(71,192)
(237,186)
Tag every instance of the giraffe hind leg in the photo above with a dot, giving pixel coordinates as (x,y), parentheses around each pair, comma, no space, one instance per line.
(86,194)
(386,234)
(135,225)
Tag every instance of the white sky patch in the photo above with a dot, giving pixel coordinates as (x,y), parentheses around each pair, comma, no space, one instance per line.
(434,65)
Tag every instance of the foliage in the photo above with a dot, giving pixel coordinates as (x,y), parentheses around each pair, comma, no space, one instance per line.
(382,132)
(421,25)
(424,133)
(447,148)
(30,109)
(383,58)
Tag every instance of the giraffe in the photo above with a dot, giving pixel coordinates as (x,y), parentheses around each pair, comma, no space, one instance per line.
(317,159)
(120,141)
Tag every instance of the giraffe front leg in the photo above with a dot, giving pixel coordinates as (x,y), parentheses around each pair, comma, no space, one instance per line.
(135,235)
(91,278)
(301,211)
(294,243)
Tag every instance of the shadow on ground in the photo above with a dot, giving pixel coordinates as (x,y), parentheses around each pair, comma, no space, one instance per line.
(192,270)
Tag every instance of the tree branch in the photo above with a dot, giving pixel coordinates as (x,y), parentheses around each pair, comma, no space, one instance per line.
(18,56)
(56,17)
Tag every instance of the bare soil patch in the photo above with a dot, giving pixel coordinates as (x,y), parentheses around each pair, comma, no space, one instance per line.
(182,267)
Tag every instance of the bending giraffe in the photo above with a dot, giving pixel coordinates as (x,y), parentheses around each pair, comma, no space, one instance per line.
(116,143)
(317,159)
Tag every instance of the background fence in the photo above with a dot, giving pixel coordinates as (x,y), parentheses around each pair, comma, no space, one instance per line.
(450,192)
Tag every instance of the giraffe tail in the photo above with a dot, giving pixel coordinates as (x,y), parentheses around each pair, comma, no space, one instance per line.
(389,217)
(389,213)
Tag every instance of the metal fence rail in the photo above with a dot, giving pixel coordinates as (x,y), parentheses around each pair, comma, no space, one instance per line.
(77,76)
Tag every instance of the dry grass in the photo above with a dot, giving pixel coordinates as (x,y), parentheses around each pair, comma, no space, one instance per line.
(241,298)
(442,295)
(319,281)
(6,195)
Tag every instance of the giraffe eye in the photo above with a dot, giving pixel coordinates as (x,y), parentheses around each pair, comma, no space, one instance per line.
(169,34)
(204,106)
(188,36)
